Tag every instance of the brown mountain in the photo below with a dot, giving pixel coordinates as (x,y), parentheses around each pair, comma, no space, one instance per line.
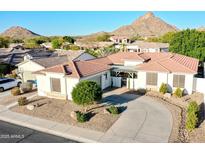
(18,32)
(147,25)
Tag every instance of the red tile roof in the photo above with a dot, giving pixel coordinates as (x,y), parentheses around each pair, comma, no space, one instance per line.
(171,62)
(77,68)
(160,62)
(120,57)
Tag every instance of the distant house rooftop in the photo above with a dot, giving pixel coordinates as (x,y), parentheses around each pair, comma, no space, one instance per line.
(144,44)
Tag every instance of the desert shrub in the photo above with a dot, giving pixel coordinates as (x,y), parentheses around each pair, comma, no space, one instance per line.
(26,87)
(141,91)
(192,116)
(86,92)
(113,109)
(22,101)
(193,107)
(15,91)
(178,93)
(81,117)
(163,88)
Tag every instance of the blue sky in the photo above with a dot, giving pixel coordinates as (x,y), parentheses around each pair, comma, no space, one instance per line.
(81,23)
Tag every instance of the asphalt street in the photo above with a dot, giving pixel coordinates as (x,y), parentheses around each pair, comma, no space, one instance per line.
(10,133)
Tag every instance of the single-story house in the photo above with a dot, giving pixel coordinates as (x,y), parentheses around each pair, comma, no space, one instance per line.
(120,39)
(32,64)
(143,46)
(131,69)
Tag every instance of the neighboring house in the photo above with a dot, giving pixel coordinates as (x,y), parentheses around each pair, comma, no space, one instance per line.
(93,45)
(120,39)
(131,69)
(30,65)
(142,46)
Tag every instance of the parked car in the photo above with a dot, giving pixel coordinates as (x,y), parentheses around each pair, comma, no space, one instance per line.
(7,83)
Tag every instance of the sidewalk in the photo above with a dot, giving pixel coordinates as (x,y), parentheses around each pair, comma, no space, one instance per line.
(66,131)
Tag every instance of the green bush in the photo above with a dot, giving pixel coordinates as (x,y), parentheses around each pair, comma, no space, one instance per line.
(192,116)
(81,117)
(15,91)
(178,93)
(193,107)
(22,101)
(163,88)
(113,109)
(86,92)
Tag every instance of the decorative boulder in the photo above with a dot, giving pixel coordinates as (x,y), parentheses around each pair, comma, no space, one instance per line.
(26,87)
(30,107)
(167,95)
(105,111)
(73,115)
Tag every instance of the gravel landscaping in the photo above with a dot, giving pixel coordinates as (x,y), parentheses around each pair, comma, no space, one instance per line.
(10,99)
(178,106)
(59,111)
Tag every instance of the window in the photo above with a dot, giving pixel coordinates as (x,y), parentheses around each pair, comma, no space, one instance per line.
(178,81)
(55,85)
(152,79)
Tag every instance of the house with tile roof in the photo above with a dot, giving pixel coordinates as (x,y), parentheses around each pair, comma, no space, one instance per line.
(30,65)
(144,46)
(130,69)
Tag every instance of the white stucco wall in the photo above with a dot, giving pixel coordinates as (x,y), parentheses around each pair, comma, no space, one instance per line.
(188,86)
(116,81)
(41,85)
(44,85)
(30,66)
(71,83)
(100,79)
(162,78)
(140,81)
(26,68)
(106,82)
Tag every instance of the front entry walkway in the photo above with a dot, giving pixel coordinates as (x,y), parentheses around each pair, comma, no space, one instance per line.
(144,120)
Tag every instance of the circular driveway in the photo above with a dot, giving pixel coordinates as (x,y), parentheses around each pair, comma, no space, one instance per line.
(144,120)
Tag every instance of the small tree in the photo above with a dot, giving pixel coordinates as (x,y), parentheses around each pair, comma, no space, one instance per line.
(192,116)
(68,39)
(56,43)
(163,88)
(178,93)
(86,92)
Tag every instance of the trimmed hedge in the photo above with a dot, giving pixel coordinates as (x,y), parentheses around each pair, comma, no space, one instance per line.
(192,116)
(86,92)
(163,88)
(178,93)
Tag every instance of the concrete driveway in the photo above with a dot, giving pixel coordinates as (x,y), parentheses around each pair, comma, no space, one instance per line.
(5,93)
(144,120)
